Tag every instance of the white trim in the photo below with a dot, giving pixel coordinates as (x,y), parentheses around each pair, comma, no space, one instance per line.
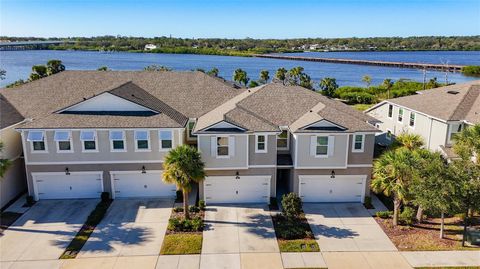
(263,166)
(44,143)
(362,149)
(416,111)
(58,142)
(359,165)
(35,186)
(124,141)
(160,148)
(112,183)
(398,115)
(364,182)
(320,167)
(225,168)
(327,145)
(93,162)
(295,163)
(228,147)
(83,141)
(388,111)
(25,154)
(265,141)
(149,149)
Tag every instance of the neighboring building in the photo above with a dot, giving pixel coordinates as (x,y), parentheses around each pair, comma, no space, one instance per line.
(275,139)
(13,182)
(150,47)
(436,115)
(88,131)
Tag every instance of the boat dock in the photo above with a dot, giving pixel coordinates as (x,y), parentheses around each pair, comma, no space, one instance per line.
(426,66)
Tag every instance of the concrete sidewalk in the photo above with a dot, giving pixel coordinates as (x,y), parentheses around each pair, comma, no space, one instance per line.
(442,258)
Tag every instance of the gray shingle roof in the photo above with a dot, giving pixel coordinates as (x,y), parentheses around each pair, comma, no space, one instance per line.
(177,95)
(8,114)
(439,103)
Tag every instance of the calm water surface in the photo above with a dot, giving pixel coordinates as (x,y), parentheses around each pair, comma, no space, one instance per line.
(18,64)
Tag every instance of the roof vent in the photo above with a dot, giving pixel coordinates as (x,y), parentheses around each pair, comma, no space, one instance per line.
(453,92)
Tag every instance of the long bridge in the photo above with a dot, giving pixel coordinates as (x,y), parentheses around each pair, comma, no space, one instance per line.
(29,45)
(426,66)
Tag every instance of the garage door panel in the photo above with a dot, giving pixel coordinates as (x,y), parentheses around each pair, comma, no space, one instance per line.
(62,186)
(342,188)
(137,184)
(246,189)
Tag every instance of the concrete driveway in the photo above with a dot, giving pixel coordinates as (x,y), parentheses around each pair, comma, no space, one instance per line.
(131,227)
(346,227)
(45,230)
(238,235)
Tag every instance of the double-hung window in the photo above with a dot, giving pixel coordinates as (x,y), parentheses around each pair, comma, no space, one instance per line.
(37,139)
(282,140)
(166,139)
(400,114)
(117,141)
(358,143)
(89,140)
(322,146)
(260,143)
(222,146)
(142,140)
(390,111)
(412,119)
(64,141)
(190,126)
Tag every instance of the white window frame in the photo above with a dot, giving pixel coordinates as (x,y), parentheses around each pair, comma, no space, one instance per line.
(194,137)
(362,149)
(402,114)
(148,139)
(410,119)
(228,147)
(257,150)
(451,133)
(32,150)
(327,145)
(124,141)
(388,111)
(288,139)
(83,141)
(160,139)
(58,142)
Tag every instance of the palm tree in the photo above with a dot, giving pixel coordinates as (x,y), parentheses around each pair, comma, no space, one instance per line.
(294,75)
(328,86)
(409,141)
(467,143)
(264,76)
(367,79)
(213,72)
(241,77)
(387,84)
(393,172)
(183,166)
(4,163)
(281,74)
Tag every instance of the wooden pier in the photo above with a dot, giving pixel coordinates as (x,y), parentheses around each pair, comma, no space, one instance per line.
(436,67)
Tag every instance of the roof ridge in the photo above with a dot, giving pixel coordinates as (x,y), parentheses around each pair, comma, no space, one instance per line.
(465,105)
(255,115)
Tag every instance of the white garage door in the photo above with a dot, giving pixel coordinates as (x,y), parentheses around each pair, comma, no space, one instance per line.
(61,186)
(229,189)
(136,184)
(349,188)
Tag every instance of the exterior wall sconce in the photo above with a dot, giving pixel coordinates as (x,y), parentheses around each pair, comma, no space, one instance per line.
(333,174)
(237,175)
(144,171)
(67,172)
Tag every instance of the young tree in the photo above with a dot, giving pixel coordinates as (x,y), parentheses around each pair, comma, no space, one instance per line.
(54,66)
(281,74)
(328,86)
(264,76)
(241,77)
(387,84)
(393,173)
(367,79)
(4,163)
(183,166)
(213,72)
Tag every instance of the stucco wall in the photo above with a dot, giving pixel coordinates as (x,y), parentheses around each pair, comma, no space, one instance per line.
(239,159)
(365,157)
(305,159)
(268,158)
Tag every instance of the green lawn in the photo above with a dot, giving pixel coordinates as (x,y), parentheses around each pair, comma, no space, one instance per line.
(362,107)
(295,245)
(182,243)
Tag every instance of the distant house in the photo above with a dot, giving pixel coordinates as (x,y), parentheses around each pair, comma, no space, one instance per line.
(150,47)
(315,47)
(436,115)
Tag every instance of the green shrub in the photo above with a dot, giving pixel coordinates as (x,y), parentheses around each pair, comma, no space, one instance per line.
(291,205)
(181,225)
(201,205)
(358,98)
(178,209)
(471,70)
(384,214)
(194,209)
(408,215)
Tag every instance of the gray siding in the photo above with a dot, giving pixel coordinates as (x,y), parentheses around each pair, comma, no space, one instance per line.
(338,159)
(103,145)
(268,158)
(365,157)
(239,159)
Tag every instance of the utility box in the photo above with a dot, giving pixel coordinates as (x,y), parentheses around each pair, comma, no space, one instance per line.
(473,236)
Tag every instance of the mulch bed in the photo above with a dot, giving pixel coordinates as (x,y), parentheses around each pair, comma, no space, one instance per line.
(305,244)
(180,215)
(426,235)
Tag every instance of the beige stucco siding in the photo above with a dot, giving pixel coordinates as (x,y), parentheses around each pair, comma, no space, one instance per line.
(239,159)
(365,157)
(267,158)
(104,153)
(337,159)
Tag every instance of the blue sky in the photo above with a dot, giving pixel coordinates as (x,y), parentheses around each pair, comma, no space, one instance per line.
(239,18)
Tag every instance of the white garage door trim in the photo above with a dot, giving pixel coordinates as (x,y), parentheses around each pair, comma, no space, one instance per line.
(265,180)
(112,180)
(36,174)
(337,177)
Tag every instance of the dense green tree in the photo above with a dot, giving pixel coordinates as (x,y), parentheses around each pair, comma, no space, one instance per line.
(409,141)
(155,67)
(253,84)
(306,81)
(213,72)
(183,167)
(38,72)
(281,74)
(328,86)
(467,143)
(393,173)
(54,66)
(367,79)
(264,76)
(103,68)
(241,77)
(293,75)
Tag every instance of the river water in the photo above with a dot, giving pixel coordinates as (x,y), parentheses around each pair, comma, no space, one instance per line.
(18,64)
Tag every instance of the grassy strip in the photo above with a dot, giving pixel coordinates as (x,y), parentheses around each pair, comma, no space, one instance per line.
(298,245)
(182,243)
(87,229)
